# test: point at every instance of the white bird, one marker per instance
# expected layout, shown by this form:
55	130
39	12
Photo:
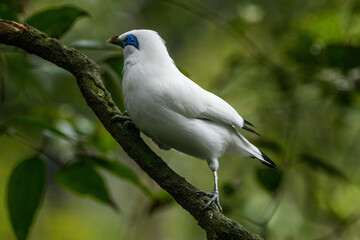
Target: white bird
176	112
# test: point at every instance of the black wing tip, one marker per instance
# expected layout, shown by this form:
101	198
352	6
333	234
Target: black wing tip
251	130
248	123
268	162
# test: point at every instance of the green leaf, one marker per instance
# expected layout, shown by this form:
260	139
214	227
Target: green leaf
319	164
25	190
112	83
325	25
308	52
56	21
9	9
119	170
300	51
270	179
113	86
342	56
81	177
116	63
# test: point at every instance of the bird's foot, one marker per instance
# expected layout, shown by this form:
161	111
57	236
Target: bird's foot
125	121
214	197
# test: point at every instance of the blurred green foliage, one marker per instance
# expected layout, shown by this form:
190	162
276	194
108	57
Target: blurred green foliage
290	67
118	169
81	177
25	189
269	178
55	21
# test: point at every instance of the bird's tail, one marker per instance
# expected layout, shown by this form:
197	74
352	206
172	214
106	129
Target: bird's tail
243	148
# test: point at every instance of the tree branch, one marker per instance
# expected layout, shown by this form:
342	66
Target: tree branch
87	74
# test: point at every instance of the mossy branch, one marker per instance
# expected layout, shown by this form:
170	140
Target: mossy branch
87	74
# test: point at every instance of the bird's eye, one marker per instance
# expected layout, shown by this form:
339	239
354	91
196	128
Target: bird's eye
123	39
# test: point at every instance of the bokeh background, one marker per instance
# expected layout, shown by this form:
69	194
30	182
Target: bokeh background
292	68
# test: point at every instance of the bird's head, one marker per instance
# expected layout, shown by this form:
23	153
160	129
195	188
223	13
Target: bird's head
141	43
125	40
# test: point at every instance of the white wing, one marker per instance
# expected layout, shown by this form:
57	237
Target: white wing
192	101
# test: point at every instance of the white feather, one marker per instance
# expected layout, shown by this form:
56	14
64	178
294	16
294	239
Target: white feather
173	110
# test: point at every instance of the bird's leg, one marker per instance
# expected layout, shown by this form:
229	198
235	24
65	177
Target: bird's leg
214	196
126	121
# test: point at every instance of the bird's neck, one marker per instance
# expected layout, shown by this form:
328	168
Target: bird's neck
153	57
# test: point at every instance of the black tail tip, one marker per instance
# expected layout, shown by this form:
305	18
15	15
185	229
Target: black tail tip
251	130
268	162
248	123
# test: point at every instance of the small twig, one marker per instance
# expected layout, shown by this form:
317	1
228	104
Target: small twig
27	142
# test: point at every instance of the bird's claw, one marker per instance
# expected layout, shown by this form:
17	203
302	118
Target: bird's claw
125	121
203	193
214	197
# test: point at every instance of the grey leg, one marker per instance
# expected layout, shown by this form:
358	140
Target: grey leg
214	196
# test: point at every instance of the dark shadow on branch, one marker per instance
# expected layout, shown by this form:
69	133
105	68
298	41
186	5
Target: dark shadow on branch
87	73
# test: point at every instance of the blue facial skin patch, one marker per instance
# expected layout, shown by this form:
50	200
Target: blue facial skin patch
129	40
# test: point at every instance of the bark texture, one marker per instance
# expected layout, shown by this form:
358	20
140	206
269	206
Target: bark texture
87	74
